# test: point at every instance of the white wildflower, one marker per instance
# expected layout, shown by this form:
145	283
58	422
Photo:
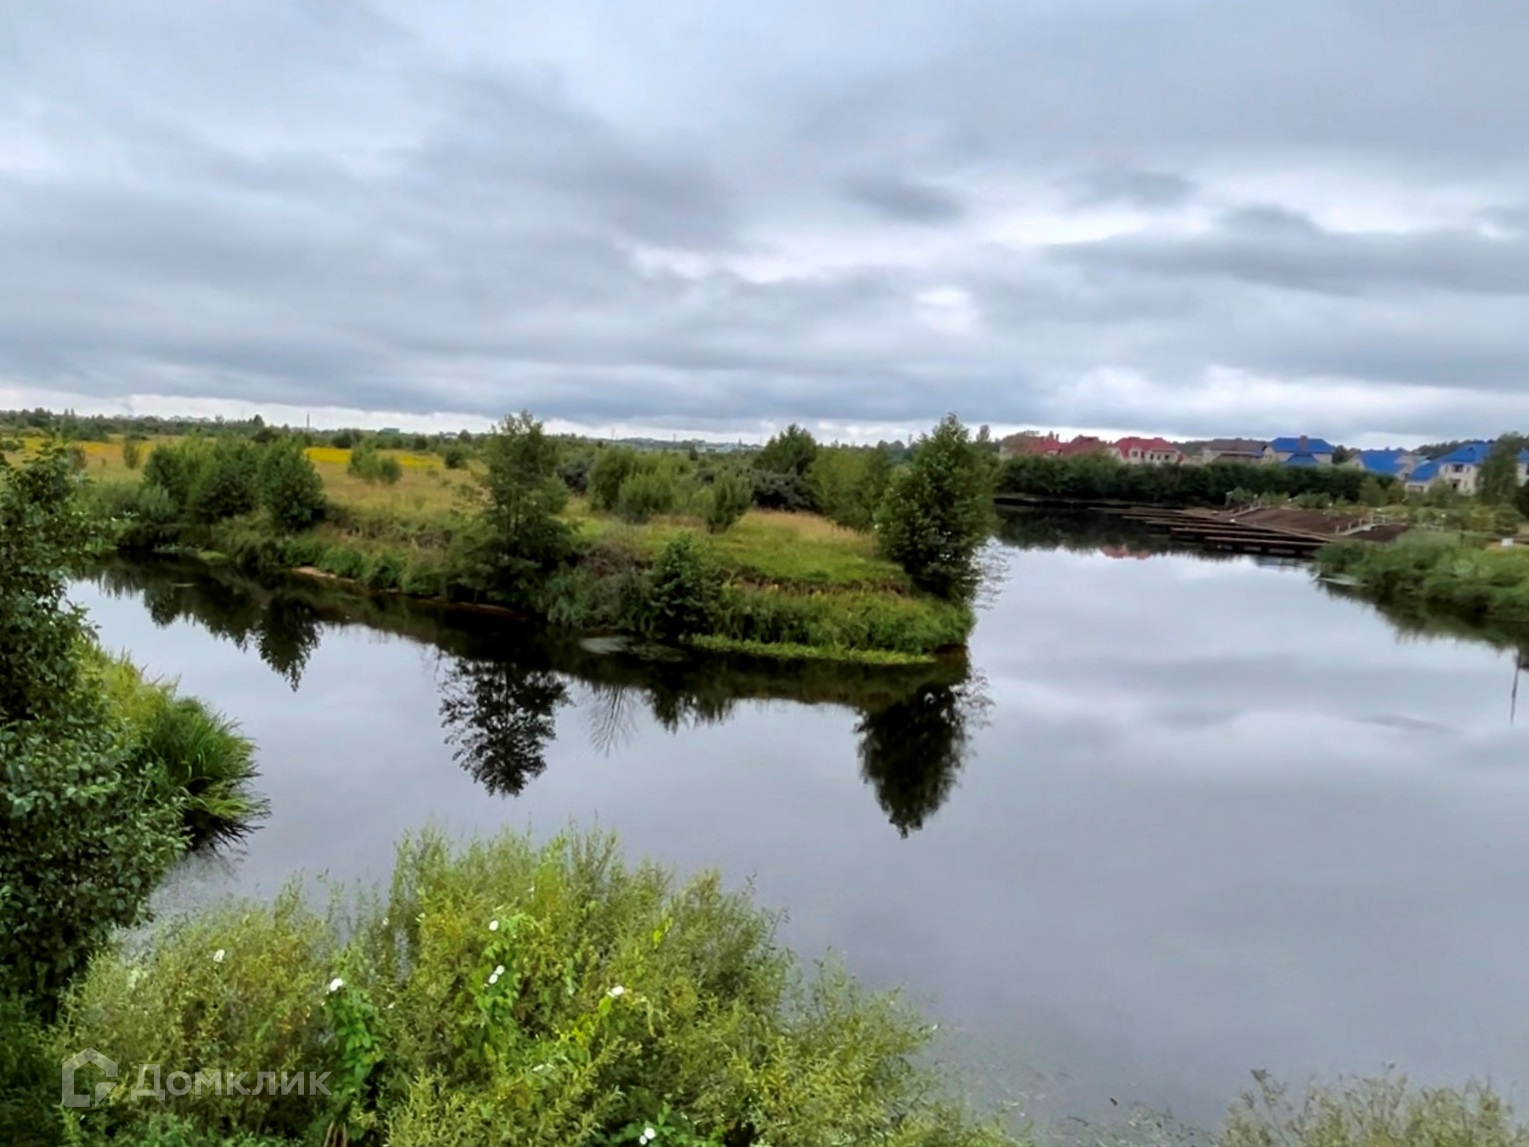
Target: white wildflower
336	984
499	971
217	957
647	1136
493	978
493	925
618	990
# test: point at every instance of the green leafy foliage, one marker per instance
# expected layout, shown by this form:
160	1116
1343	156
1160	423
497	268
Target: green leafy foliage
1497	484
684	590
520	540
938	512
132	452
455	457
291	491
848	483
82	839
226	481
612	467
510	994
1103	478
369	464
792	451
646	493
727	501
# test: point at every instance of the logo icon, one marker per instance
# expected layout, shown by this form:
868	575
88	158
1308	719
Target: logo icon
89	1056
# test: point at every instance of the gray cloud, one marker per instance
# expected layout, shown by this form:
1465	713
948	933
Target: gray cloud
901	199
863	214
1155	190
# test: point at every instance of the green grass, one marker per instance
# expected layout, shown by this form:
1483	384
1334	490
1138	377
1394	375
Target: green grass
1442	574
766	546
787	651
198	755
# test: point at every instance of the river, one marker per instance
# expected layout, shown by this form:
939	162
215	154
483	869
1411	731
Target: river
1184	818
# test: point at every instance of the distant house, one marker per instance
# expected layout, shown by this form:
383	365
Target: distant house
1083	444
1395	463
1233	450
1148	452
1031	443
1302	451
1461	468
1028	442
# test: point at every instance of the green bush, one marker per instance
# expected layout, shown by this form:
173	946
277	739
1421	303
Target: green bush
512	994
455	457
84	839
612	467
645	494
389	470
226	485
727	501
132	452
938	512
291	491
684	591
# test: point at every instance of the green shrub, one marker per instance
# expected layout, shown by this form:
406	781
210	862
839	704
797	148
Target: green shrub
684	591
132	452
612	466
84	839
455	457
938	512
513	994
291	491
646	493
389	471
238	988
226	485
727	502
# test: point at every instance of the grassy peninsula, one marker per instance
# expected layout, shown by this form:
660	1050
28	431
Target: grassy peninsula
796	551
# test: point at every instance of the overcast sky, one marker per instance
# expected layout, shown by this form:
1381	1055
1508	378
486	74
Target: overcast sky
1191	217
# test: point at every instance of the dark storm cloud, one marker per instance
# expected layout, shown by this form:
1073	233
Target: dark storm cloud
901	199
863	213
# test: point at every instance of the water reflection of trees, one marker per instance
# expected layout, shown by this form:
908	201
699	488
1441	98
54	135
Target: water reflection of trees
912	749
499	718
283	627
1092	531
502	686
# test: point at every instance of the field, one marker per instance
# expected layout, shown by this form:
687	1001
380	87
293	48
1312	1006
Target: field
764	548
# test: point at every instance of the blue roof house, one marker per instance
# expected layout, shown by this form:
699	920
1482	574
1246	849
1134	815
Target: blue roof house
1395	463
1302	451
1461	468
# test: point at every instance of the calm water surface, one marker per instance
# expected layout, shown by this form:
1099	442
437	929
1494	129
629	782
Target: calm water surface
1187	819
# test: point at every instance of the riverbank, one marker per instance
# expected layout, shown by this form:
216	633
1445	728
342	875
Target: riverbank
793	584
1438	574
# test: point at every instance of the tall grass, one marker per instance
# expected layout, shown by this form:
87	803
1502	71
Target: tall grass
1388	1111
198	756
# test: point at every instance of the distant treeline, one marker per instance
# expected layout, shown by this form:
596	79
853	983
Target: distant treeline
1100	478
